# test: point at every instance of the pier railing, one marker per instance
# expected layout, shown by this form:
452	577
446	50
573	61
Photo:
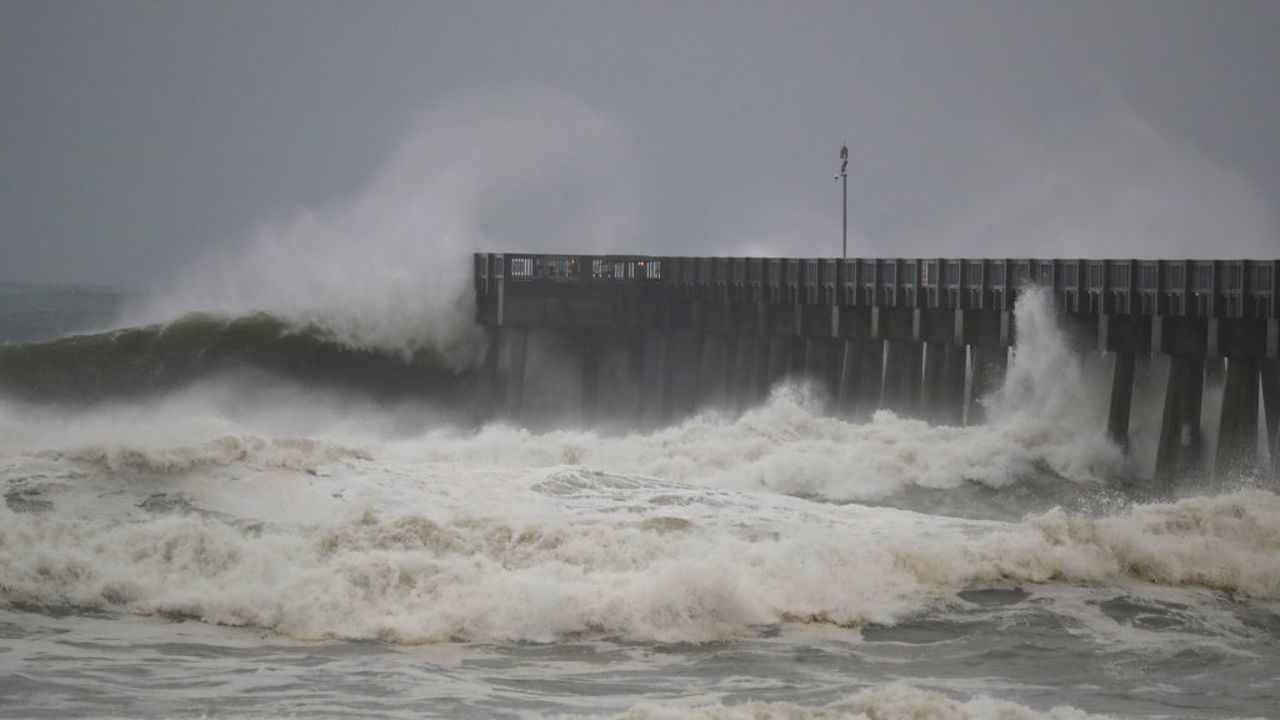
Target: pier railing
1192	288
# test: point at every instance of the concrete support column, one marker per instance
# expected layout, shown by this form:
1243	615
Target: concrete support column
833	352
665	376
638	386
933	388
490	374
726	388
779	358
705	369
1179	445
743	373
870	387
822	367
954	363
683	358
942	395
1270	370
1238	430
589	342
988	366
847	383
1214	371
902	379
796	350
697	392
761	382
812	368
1192	415
715	368
1121	398
753	367
518	339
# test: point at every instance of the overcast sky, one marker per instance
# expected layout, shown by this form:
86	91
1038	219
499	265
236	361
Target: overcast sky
137	136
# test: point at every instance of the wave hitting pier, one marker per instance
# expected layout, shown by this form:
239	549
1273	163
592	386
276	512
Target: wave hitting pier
657	337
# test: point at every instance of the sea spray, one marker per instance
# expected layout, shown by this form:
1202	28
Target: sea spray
389	268
1049	400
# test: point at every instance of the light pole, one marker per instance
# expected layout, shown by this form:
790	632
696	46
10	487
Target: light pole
843	177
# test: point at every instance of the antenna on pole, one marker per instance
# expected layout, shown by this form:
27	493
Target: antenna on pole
843	177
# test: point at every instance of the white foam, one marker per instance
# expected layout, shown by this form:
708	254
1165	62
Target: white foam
1041	422
336	544
890	702
1226	542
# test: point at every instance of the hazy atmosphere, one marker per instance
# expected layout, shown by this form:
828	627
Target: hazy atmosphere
337	378
137	138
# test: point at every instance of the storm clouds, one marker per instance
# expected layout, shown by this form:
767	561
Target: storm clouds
137	139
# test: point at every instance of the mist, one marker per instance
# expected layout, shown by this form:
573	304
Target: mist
390	266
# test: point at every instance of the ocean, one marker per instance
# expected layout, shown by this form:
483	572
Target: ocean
251	516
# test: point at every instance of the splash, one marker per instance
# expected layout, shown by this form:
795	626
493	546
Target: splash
390	267
1047	399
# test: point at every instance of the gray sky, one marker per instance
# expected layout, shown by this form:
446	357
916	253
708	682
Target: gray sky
137	136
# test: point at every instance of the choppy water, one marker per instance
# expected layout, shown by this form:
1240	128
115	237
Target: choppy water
246	546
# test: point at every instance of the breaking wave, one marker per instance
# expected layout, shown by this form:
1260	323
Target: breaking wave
135	362
431	553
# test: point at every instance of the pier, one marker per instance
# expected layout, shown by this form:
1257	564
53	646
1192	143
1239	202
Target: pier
658	337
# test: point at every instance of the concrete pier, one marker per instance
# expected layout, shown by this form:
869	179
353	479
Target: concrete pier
988	366
942	398
659	337
1121	398
518	339
1270	371
590	349
902	377
1237	453
1179	449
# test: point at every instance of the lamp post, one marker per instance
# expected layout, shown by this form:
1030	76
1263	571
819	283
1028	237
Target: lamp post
843	177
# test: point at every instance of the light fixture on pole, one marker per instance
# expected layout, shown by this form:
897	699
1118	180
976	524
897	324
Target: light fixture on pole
843	176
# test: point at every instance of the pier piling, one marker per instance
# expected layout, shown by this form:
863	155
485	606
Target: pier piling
1238	429
1121	398
1178	451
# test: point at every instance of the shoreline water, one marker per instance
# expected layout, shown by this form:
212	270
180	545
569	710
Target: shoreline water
246	546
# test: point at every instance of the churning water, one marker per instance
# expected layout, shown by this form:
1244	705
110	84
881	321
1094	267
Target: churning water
251	517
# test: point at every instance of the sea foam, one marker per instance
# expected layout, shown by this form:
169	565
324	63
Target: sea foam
546	555
890	702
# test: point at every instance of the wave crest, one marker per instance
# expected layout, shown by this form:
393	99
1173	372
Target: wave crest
249	452
137	361
654	570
